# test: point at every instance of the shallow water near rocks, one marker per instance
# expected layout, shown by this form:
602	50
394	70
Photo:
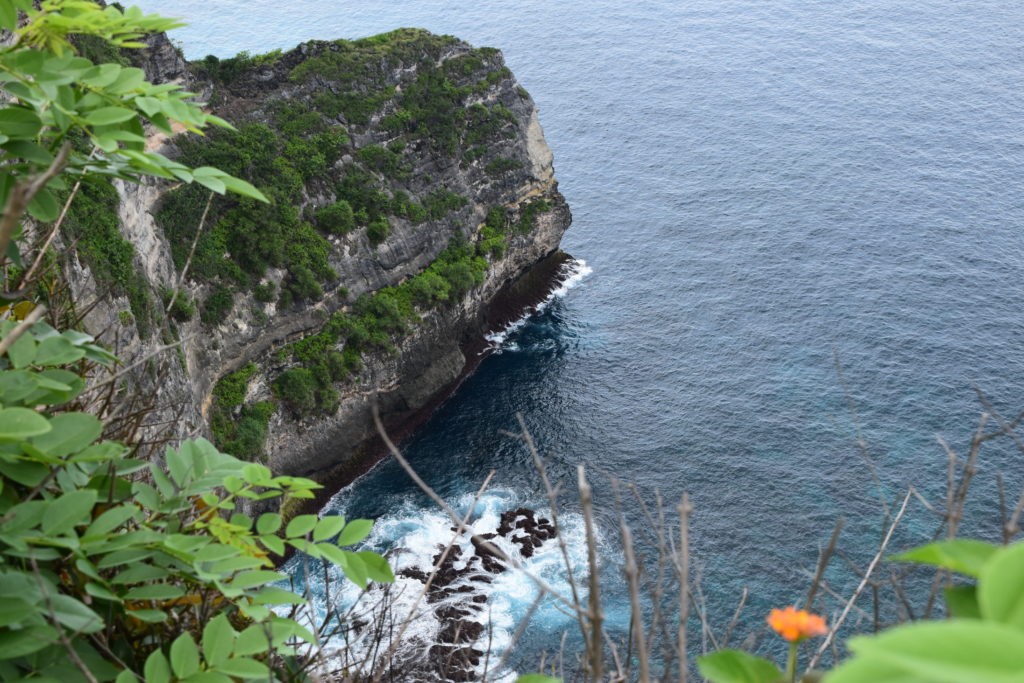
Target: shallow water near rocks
759	187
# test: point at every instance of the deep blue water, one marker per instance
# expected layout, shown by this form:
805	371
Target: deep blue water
758	185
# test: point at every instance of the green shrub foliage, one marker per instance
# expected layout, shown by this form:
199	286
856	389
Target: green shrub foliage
113	568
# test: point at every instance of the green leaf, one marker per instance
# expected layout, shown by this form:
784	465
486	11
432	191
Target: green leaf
251	641
15	644
8	16
75	616
151	616
21	423
71	432
105	116
277	596
65	513
218	640
733	666
14	610
268	523
29	151
953	650
328	527
57	351
234	564
962	555
25	473
105	451
56	386
1001	587
861	670
962	602
537	678
211	183
155	591
16	385
243	188
98	591
130	78
22	351
184	656
101	76
354	568
256	474
18	122
157	670
44	206
216	552
300	526
138	573
355	531
273	544
243	667
149	105
256	578
377	568
208	677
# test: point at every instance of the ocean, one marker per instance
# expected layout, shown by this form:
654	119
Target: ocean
764	191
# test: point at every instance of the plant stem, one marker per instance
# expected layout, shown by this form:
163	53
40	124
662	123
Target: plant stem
791	662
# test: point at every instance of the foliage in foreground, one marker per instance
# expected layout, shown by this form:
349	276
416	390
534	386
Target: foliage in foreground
983	640
111	567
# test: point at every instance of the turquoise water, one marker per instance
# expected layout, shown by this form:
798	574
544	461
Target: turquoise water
759	187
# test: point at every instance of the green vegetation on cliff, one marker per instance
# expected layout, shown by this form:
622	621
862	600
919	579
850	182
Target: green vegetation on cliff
120	561
292	150
323	187
92	223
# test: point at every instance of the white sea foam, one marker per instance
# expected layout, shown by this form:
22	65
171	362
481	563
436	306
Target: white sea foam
411	537
570	274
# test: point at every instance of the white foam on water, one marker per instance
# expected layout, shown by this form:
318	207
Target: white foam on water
571	273
411	537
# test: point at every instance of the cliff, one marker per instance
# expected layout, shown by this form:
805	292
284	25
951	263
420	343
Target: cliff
412	192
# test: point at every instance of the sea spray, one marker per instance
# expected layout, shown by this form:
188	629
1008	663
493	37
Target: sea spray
412	537
570	274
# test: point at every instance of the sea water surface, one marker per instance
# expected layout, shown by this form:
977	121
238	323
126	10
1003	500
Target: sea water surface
760	188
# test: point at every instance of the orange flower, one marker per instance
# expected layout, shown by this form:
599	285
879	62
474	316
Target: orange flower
795	625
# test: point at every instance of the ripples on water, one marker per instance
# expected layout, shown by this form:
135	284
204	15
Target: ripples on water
757	185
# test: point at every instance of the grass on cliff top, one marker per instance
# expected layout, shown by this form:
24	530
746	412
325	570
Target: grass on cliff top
292	150
354	62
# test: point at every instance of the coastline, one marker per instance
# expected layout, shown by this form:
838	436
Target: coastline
514	301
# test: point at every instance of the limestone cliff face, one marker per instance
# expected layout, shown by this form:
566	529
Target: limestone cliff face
492	158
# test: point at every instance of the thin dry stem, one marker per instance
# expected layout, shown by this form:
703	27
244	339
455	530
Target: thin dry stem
31	319
860	587
685	509
633	580
595	615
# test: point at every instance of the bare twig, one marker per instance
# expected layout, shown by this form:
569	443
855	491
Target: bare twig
735	617
823	563
22	194
595	616
685	509
633	580
860	587
125	370
191	253
390	652
490	547
65	641
31	319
